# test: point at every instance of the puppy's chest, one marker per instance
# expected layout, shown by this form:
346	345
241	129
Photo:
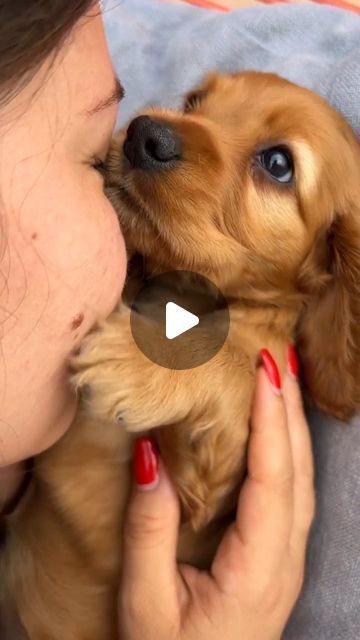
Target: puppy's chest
250	328
253	329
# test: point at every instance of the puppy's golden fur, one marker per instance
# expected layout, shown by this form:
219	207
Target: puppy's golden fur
287	258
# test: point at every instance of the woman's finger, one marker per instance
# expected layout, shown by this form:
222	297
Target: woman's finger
150	578
265	506
265	510
300	441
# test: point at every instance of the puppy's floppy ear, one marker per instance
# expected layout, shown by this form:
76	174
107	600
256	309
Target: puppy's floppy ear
329	332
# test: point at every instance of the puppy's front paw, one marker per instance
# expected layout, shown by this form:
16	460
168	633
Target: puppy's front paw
112	374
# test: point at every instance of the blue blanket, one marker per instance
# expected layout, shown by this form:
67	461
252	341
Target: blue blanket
160	51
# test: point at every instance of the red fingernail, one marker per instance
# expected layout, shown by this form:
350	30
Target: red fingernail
146	463
272	370
292	361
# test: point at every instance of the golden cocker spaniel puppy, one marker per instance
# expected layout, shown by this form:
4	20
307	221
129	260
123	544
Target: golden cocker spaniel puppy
255	185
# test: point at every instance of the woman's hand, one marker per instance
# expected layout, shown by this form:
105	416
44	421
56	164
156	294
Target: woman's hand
257	573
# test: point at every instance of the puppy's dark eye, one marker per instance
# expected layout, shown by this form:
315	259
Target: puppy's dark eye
278	163
193	101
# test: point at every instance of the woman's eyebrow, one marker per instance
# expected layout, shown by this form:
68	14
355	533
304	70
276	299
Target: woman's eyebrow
114	97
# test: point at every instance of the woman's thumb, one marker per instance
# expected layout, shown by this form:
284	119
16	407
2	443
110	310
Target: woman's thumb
151	527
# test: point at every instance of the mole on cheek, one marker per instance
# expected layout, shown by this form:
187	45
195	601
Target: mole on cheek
34	236
77	321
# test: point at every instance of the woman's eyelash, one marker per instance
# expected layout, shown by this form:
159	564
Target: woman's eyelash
98	164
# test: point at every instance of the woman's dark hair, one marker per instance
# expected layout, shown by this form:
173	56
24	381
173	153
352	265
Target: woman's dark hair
30	31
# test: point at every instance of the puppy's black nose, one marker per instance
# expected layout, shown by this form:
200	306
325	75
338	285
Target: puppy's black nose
151	145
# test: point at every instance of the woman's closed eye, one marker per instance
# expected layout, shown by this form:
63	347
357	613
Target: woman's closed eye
98	164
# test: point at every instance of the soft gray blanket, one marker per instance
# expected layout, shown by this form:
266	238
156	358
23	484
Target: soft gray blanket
160	51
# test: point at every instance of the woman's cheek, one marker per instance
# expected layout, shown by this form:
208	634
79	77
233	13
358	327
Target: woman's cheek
82	249
102	274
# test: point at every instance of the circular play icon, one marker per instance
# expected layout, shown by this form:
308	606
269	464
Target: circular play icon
179	319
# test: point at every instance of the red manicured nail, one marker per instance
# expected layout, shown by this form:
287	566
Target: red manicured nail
292	361
146	463
272	370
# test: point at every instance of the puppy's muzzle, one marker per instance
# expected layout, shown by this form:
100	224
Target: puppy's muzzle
151	145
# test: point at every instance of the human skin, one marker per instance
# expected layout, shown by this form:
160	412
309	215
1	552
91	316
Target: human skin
63	259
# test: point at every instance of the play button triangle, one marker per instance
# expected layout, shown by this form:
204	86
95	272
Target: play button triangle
178	320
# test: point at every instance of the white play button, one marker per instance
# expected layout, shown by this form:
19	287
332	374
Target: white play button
178	320
182	305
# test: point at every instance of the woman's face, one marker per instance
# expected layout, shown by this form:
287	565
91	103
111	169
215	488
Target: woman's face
62	263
